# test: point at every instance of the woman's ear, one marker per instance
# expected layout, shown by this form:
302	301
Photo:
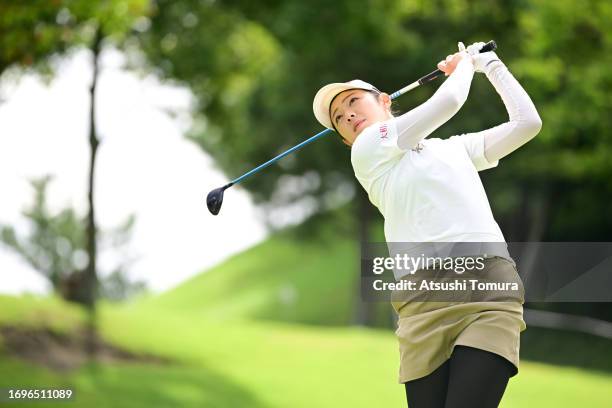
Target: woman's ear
385	99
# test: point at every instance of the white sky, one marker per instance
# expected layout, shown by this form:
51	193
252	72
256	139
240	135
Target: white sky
144	166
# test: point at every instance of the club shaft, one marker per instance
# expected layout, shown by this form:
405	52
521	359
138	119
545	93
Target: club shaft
280	156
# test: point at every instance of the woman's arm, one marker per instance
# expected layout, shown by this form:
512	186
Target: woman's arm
524	122
417	124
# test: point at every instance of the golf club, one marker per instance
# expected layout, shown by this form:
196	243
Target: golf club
214	200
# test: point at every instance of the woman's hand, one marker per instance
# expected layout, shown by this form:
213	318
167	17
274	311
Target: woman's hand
448	66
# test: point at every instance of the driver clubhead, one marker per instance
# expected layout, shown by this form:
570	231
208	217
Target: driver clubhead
214	200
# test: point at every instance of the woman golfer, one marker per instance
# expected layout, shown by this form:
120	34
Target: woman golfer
452	354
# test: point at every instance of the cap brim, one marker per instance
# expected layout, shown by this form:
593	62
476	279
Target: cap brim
324	98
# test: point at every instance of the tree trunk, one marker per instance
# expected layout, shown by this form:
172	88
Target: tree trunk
538	209
364	311
81	286
90	278
519	223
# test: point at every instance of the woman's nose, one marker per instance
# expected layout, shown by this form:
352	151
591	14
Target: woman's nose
351	116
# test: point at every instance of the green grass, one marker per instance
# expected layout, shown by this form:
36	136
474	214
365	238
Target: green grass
237	363
34	311
281	279
257	364
131	385
282	364
567	348
542	385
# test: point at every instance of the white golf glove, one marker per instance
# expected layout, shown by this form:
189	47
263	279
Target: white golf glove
461	47
481	60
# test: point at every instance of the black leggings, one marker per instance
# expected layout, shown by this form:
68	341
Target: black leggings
471	378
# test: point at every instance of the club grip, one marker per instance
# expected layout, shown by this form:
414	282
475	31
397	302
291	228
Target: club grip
490	46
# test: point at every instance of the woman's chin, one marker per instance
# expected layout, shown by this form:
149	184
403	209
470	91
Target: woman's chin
360	129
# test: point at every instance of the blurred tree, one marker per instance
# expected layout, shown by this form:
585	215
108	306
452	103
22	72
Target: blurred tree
56	248
117	287
566	183
255	67
32	35
564	61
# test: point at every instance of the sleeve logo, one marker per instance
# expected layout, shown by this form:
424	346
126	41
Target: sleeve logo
383	131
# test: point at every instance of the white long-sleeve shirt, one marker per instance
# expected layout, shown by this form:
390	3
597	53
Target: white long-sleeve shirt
523	124
428	189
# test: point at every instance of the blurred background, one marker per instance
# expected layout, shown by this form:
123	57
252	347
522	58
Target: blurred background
116	119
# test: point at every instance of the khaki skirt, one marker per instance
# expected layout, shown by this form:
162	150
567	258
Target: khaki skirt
428	331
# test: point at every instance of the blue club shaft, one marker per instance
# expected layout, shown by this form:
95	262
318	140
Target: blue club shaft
280	156
313	138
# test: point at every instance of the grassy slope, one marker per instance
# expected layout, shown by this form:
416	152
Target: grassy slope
280	279
256	364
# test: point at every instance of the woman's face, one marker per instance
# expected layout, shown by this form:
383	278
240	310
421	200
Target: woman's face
355	109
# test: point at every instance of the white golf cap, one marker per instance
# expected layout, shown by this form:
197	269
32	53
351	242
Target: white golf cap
325	96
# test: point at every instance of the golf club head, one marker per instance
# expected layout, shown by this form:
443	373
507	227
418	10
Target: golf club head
214	200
